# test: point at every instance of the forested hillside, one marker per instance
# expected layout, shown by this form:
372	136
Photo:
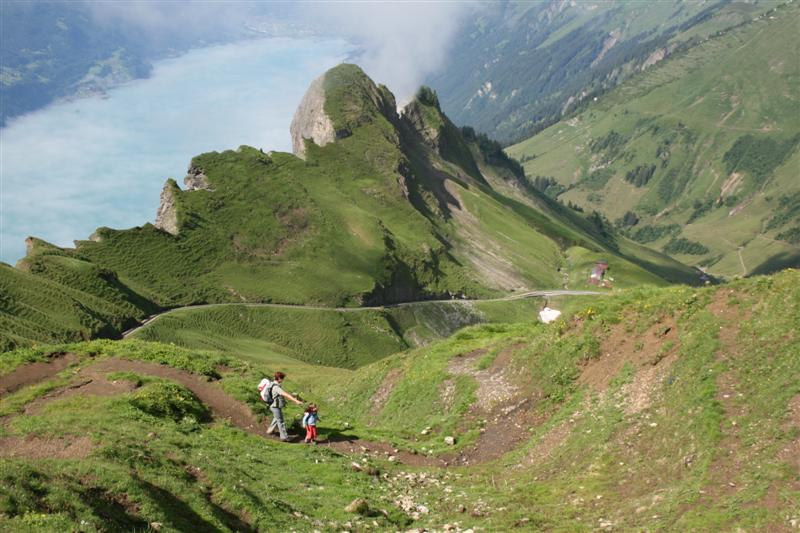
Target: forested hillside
698	157
519	66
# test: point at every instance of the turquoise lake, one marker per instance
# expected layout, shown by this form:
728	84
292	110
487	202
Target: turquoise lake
75	166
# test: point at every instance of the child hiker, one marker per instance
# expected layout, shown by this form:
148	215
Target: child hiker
310	423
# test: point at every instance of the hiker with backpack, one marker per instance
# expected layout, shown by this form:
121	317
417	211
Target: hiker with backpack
275	397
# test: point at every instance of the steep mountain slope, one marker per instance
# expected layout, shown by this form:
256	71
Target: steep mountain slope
699	156
521	65
375	207
659	409
68	300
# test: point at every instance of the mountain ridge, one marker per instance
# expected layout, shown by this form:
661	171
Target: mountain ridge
395	207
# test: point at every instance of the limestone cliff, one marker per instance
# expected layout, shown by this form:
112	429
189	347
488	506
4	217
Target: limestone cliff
336	104
167	215
310	121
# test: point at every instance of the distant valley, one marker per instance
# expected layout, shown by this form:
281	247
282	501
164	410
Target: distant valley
697	156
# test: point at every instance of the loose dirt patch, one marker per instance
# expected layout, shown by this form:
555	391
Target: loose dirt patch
33	447
729	187
383	450
383	392
35	372
447	394
494	385
730	316
648	377
549	442
505	430
731	458
656	347
509	411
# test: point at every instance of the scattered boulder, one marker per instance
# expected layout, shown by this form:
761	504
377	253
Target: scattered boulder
605	524
449	440
196	179
358	506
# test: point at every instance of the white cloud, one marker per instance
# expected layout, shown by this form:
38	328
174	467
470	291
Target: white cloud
173	19
402	42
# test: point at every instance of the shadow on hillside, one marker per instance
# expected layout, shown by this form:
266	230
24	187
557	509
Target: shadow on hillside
183	518
777	262
113	509
335	435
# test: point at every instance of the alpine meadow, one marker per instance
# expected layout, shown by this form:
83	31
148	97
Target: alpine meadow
555	289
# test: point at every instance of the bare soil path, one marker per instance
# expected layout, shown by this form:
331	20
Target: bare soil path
92	380
35	372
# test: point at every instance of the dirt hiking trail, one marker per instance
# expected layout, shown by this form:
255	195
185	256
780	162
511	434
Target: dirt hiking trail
92	380
35	372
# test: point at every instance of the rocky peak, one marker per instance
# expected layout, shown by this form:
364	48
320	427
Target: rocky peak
196	179
167	214
425	116
310	121
336	103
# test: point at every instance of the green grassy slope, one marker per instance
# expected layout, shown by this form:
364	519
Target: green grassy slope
671	408
398	208
517	67
345	339
89	302
703	148
684	393
156	459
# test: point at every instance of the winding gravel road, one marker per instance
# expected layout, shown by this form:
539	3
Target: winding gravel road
531	294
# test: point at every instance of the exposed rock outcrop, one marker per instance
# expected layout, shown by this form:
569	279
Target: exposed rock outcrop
654	58
352	100
424	115
310	121
167	214
196	179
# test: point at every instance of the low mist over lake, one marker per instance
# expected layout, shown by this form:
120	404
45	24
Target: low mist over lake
94	162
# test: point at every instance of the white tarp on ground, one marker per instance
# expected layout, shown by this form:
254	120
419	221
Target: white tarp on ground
547	315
